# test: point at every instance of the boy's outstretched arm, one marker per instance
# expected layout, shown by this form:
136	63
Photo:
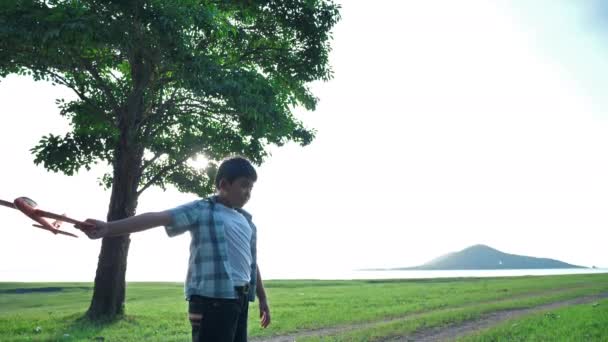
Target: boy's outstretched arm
128	225
264	308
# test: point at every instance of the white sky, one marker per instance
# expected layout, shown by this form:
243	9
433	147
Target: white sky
447	124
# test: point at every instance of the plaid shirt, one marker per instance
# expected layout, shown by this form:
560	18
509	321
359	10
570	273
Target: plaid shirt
208	268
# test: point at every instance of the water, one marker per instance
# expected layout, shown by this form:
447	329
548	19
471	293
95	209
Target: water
419	274
28	275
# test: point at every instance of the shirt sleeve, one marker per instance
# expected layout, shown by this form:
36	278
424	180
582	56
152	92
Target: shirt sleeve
183	218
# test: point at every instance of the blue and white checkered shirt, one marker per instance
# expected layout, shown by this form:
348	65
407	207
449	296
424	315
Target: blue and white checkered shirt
208	267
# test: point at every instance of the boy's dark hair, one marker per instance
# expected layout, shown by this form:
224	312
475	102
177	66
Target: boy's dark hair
233	168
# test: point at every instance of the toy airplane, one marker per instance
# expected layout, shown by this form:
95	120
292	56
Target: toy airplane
28	207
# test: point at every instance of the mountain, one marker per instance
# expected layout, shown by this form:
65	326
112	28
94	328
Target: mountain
481	257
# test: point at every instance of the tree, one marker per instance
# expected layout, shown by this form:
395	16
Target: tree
160	82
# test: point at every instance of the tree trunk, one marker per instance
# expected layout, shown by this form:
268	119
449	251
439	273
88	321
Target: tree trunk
109	291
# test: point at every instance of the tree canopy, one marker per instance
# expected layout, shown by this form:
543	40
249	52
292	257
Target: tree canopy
183	77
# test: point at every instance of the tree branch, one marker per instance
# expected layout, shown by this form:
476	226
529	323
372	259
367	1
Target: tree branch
150	161
160	174
101	83
147	121
70	85
78	92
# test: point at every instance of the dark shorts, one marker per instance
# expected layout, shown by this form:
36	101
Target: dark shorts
219	319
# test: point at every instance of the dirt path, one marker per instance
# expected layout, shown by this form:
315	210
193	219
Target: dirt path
440	333
489	320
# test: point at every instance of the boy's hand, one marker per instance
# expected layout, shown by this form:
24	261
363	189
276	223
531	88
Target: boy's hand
264	313
94	229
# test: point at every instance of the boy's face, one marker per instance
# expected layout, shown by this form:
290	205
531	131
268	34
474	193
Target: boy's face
237	193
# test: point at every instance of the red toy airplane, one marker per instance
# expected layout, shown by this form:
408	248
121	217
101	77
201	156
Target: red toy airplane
28	207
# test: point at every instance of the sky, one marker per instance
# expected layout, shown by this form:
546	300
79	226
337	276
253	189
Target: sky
447	124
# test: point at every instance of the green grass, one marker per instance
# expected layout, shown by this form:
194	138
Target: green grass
585	322
157	311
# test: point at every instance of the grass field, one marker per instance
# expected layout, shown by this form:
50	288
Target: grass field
157	311
588	322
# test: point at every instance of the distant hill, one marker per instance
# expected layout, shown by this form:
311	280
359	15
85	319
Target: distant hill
481	257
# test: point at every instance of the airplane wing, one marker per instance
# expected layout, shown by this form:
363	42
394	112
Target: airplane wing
57	231
65	233
59	217
7	204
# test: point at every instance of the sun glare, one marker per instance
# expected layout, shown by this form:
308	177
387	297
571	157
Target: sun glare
199	161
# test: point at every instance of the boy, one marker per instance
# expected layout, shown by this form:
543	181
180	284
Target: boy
222	271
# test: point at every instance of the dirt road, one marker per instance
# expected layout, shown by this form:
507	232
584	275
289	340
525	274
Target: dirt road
439	333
